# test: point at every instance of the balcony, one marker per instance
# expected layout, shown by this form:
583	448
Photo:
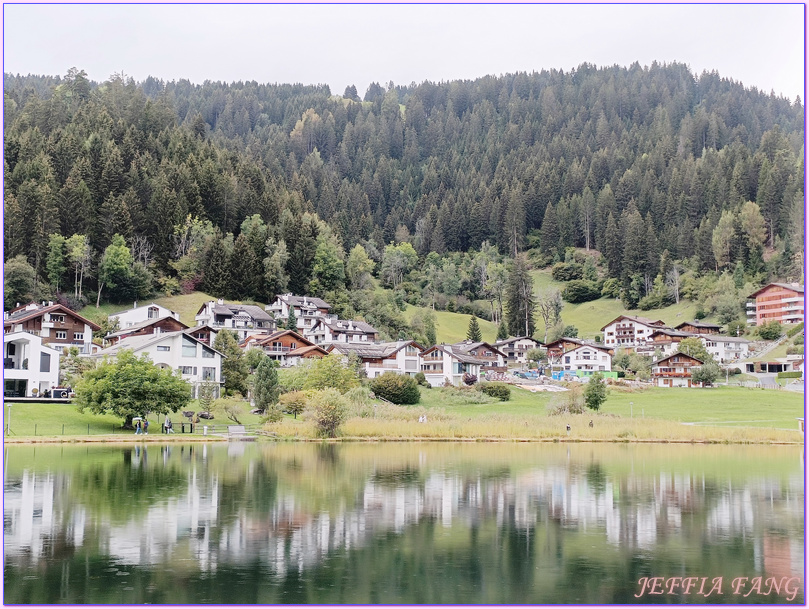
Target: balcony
386	366
667	374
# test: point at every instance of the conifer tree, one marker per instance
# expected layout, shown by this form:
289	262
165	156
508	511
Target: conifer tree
520	300
473	331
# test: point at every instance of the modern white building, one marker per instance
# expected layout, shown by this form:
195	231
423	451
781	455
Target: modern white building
630	331
28	365
307	310
140	314
327	330
196	362
443	363
588	359
725	349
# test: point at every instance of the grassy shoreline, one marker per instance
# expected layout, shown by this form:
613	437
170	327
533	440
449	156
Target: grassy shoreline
726	415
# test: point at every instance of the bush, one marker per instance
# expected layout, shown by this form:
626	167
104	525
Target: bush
469	379
795	350
327	409
421	379
567	271
580	290
293	402
396	388
793	331
611	288
770	330
501	391
796	374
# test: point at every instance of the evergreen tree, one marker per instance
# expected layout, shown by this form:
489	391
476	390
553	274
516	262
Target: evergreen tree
473	331
520	301
56	263
549	234
595	392
243	276
234	365
265	386
613	247
215	270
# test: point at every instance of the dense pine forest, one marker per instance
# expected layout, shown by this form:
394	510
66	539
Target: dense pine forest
118	190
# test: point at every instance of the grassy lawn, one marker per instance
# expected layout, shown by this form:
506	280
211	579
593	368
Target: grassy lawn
186	305
451	327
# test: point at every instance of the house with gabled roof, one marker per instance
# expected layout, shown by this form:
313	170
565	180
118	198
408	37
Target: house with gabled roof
556	349
698	327
675	371
401	357
494	358
140	314
587	359
284	346
57	326
443	364
195	361
329	330
630	330
150	326
307	310
516	348
240	318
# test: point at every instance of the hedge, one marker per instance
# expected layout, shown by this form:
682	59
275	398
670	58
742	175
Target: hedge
396	388
501	391
790	375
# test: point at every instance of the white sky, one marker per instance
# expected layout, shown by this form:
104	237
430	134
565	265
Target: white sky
760	45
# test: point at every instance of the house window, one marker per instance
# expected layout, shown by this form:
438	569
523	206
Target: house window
190	370
209	374
207	352
152	313
61	335
410	350
78	336
59	318
12	349
189	347
44	362
163	348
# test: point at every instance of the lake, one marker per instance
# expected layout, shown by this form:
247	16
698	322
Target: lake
406	523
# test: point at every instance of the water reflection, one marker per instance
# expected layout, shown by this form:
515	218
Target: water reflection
404	523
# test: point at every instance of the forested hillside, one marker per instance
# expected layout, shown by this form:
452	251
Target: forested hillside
248	189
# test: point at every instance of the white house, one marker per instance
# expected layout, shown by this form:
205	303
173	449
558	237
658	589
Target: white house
197	362
137	315
401	357
516	348
307	310
28	365
725	348
629	331
242	319
329	330
588	359
443	363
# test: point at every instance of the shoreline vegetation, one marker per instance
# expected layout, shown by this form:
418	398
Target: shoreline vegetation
722	415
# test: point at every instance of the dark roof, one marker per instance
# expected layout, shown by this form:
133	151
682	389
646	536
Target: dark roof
144	340
467	346
374	350
697	324
641	320
670	332
229	310
789	286
345	326
145	324
21	314
263	340
514	339
657	363
298	301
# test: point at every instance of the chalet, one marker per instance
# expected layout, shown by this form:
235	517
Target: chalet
29	366
307	310
239	318
285	346
401	357
559	347
698	327
327	330
138	315
515	349
151	326
781	302
205	334
664	339
725	349
675	371
58	326
629	330
494	358
587	359
442	364
197	363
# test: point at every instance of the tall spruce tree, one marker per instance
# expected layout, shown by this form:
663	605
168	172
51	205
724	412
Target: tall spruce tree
520	300
473	331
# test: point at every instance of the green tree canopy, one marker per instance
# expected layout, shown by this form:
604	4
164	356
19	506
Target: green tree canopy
130	386
473	331
234	366
265	386
595	392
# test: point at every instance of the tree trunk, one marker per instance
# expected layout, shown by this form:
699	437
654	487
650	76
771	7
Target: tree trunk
98	299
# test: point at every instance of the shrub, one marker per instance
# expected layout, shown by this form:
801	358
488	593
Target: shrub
611	288
798	340
770	330
396	388
580	290
293	402
469	379
327	409
793	331
501	391
796	374
567	271
421	379
795	350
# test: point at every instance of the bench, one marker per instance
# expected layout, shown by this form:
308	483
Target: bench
236	431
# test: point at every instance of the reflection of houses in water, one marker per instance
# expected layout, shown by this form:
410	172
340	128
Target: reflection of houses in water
634	512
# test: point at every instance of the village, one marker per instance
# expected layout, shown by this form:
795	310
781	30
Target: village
37	334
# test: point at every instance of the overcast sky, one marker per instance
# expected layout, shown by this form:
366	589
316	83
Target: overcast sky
759	45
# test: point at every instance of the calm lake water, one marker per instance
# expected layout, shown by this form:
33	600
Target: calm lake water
403	523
